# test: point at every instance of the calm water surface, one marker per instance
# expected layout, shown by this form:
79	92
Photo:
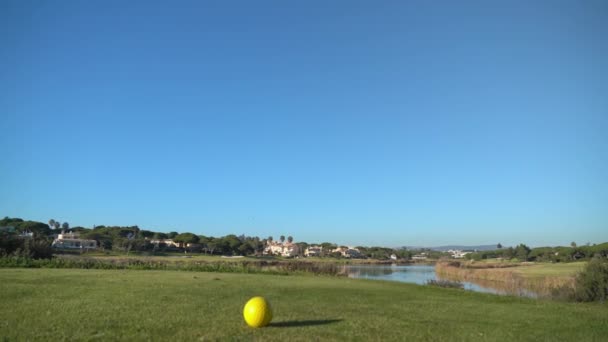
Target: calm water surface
416	274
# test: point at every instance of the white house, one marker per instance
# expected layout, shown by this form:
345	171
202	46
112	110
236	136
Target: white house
167	242
313	251
286	249
291	250
72	241
421	256
348	252
457	254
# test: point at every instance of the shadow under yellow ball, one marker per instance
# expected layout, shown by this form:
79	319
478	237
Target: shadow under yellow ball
257	312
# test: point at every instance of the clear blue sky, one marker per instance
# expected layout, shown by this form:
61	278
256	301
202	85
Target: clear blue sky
357	122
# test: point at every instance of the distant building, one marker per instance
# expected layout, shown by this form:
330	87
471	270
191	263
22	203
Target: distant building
27	234
421	256
291	250
352	253
313	251
273	248
393	257
73	241
457	254
286	249
166	242
348	252
340	250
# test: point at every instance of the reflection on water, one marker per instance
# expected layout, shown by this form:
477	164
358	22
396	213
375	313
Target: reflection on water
407	274
421	274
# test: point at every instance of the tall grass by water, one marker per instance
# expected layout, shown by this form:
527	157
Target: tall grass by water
278	267
512	278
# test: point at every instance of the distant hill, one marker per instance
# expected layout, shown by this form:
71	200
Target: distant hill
460	247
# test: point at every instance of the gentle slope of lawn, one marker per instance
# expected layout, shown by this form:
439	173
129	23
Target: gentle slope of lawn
59	304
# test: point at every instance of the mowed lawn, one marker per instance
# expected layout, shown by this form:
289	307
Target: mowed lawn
71	304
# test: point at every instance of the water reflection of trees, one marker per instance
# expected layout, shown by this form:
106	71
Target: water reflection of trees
364	271
355	271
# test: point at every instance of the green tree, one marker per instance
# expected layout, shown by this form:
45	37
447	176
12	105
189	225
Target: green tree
212	245
499	246
522	251
592	282
39	229
245	249
259	245
106	244
146	234
7	221
232	243
508	253
282	238
327	247
301	247
160	236
290	239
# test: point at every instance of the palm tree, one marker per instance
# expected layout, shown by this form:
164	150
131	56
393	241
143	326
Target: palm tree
282	238
290	239
56	224
52	223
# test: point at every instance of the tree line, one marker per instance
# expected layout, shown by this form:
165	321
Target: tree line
522	252
133	238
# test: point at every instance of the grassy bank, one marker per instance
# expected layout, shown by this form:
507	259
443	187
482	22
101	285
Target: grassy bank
216	258
541	278
60	304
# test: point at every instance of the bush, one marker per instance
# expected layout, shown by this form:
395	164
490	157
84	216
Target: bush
35	248
39	248
592	282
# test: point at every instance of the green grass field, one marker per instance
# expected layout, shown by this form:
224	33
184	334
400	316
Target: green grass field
69	304
551	270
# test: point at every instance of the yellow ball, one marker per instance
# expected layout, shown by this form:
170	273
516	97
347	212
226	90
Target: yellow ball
257	312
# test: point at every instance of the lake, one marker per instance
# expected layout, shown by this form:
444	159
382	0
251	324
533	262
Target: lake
421	274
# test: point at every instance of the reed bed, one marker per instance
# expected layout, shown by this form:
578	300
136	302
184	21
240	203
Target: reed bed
504	278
